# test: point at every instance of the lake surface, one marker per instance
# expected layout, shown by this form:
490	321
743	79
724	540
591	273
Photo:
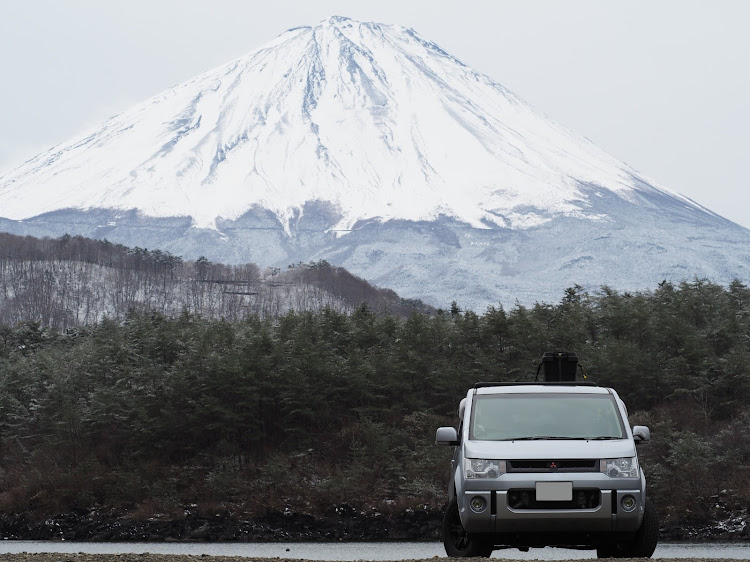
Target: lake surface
354	550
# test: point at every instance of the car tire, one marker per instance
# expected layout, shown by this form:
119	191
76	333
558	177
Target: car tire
457	541
647	536
644	543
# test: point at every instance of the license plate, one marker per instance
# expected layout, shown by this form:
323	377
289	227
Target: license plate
554	491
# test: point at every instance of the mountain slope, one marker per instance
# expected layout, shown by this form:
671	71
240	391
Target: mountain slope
334	142
371	117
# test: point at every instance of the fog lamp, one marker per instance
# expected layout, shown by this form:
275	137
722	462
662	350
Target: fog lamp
628	503
477	504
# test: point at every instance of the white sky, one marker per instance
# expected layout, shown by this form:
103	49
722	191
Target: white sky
663	85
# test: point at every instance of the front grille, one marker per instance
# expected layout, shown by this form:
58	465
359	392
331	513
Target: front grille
582	499
575	465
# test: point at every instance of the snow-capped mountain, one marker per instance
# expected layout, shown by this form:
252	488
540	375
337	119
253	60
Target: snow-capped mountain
369	146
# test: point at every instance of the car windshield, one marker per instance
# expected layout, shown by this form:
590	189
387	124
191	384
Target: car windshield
508	417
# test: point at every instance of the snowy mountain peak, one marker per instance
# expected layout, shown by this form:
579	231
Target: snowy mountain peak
370	119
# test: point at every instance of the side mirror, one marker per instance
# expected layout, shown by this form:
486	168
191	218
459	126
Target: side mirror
641	434
446	436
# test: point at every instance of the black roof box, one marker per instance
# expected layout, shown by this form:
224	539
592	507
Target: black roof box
559	366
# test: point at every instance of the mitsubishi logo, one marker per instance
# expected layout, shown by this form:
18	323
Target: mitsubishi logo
552	466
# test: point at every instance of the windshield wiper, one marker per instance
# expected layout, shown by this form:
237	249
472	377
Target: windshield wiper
602	437
544	438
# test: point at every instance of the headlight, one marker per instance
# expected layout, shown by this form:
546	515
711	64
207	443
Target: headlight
482	468
626	467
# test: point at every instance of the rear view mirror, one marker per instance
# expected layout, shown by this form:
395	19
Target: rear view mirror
446	436
641	434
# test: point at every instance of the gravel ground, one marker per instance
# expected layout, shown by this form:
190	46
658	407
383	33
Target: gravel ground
45	557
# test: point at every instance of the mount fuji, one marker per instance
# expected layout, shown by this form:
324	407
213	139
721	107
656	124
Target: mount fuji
369	146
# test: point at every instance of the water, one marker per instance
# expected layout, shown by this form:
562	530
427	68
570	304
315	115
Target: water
355	550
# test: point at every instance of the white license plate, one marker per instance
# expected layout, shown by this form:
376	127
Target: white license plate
554	491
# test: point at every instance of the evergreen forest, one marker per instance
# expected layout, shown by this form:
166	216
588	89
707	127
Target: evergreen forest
152	414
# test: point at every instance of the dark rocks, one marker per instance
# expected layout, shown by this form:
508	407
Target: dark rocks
339	522
342	522
727	520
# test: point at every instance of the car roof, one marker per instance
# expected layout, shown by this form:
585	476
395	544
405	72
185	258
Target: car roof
541	388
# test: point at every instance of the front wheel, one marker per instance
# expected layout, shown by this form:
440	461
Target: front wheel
459	543
644	542
647	536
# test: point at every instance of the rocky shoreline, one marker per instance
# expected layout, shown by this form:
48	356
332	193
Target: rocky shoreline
342	522
147	557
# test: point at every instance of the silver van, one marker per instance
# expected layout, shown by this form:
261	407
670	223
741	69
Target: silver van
546	464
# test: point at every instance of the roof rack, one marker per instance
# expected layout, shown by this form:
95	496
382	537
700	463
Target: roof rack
535	383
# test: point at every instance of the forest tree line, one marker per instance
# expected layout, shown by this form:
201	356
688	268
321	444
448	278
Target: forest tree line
150	413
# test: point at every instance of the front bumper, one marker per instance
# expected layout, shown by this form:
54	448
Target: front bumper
498	515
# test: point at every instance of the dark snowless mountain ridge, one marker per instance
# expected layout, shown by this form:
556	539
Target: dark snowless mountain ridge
370	147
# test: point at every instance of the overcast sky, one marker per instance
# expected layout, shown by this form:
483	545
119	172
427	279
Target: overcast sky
661	85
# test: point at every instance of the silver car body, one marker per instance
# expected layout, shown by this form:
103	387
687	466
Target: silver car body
504	509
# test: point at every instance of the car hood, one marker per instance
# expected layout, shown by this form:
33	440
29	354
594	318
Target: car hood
549	449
